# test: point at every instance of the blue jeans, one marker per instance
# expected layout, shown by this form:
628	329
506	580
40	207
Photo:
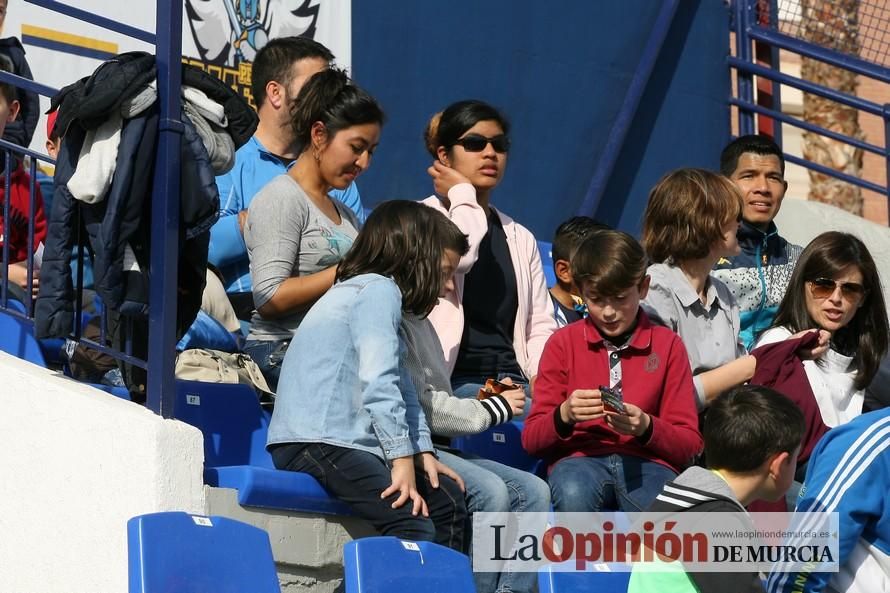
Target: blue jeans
494	487
466	387
357	478
268	355
607	483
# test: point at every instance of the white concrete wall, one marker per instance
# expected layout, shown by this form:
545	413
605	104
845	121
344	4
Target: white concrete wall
800	221
77	463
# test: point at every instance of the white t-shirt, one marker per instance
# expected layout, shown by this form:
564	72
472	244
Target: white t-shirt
831	378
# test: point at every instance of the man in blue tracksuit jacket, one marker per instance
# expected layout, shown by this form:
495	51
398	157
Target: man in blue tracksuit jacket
759	275
849	474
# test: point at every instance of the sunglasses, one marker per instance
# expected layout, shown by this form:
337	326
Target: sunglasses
822	288
477	143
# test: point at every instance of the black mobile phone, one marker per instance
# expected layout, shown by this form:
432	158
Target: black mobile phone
613	399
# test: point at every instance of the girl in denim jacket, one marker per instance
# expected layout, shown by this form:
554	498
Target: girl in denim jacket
347	411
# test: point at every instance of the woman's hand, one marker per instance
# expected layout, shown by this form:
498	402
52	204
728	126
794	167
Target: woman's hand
515	397
634	421
403	482
817	350
444	178
432	467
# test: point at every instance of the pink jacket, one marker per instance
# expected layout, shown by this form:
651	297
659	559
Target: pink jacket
534	317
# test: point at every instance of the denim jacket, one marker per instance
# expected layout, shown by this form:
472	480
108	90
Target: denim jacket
342	381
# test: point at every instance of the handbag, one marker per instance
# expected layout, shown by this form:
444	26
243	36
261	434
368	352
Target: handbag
215	366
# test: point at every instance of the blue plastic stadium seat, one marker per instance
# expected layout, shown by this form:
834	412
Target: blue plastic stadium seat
503	444
182	553
235	428
546	250
51	348
17	338
605	578
389	564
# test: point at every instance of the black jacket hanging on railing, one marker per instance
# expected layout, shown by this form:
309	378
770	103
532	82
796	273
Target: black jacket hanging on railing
118	226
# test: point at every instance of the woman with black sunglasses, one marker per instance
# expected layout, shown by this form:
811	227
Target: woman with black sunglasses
835	287
495	320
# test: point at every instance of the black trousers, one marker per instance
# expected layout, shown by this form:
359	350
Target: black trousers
358	478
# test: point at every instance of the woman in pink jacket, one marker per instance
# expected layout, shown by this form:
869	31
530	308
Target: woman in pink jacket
494	324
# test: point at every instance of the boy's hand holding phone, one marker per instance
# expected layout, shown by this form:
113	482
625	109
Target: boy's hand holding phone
582	405
633	421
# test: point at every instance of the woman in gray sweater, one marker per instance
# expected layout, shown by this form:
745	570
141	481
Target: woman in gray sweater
490	486
295	232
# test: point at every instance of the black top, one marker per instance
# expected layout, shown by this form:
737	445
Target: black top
490	303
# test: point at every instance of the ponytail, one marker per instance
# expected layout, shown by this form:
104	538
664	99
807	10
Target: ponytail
431	135
331	98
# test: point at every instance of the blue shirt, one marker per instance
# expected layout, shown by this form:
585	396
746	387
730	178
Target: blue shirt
343	381
254	168
848	474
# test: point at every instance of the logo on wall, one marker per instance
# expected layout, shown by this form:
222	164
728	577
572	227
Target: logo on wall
229	33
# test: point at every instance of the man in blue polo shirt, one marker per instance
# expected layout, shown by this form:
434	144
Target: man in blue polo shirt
279	72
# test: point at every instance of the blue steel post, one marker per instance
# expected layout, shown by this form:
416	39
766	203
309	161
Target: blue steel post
887	152
744	80
774	62
165	211
628	110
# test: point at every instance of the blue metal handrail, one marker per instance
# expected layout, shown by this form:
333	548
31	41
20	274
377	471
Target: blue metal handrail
810	50
165	199
804	125
27	84
807	86
101	21
747	31
835	173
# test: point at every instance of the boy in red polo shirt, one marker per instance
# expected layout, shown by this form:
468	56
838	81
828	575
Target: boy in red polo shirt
15	230
606	454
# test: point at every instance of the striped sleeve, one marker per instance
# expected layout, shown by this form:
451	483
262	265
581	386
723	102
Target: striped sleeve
847	474
451	416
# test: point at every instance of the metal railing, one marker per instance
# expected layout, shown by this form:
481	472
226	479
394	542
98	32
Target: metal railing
165	200
788	25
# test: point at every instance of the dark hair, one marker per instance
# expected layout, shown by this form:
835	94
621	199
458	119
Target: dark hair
7	89
331	98
611	261
275	61
406	241
570	234
753	143
446	127
749	424
686	213
865	338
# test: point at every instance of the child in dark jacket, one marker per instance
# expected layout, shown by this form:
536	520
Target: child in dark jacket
752	439
15	230
21	130
604	457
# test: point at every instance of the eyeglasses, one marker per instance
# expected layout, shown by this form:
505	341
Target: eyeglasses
477	143
822	288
